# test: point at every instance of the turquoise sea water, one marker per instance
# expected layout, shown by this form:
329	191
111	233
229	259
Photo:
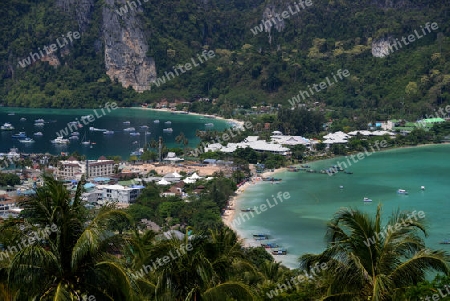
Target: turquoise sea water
299	223
120	143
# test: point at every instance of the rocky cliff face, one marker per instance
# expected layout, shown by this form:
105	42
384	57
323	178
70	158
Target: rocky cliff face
80	9
126	47
380	47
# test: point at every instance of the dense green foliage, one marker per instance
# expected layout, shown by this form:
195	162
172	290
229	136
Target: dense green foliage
248	69
9	179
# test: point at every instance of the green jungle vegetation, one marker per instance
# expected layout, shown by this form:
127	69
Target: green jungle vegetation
248	69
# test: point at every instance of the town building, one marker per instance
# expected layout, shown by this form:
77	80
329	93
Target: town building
74	169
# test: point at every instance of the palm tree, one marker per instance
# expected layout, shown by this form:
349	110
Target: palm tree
366	262
75	261
208	272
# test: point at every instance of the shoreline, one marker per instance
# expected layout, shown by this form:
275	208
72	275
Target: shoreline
233	121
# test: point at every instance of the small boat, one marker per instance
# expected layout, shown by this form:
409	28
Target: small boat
26	140
293	169
168	130
23	119
94	143
38	134
60	140
39	121
445	242
126	122
96	129
402	191
135	142
248	210
422	187
87	117
168	122
75	134
39	124
147	133
144	127
108	133
135	134
341	187
73	122
156	121
366	200
11	114
83	141
305	166
270	245
271	179
74	138
260	236
19	135
7	127
279	252
348	172
131	129
209	124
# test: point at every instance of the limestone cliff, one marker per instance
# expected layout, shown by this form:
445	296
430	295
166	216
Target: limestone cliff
380	47
80	9
125	47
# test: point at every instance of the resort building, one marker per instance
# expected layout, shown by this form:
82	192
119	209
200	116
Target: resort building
120	194
253	143
74	169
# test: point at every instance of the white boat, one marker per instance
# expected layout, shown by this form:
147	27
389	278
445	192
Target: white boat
156	121
7	127
23	119
168	122
147	133
422	187
26	140
73	138
168	130
367	200
60	140
75	134
135	134
38	134
144	126
96	129
83	141
131	129
402	191
108	133
39	124
11	114
87	117
209	124
39	121
126	122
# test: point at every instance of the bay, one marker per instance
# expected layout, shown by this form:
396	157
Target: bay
118	144
299	223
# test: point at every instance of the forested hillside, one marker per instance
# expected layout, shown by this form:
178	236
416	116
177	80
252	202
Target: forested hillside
248	68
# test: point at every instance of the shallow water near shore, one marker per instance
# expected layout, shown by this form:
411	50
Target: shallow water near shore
299	223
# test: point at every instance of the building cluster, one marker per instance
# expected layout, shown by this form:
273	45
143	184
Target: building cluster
276	144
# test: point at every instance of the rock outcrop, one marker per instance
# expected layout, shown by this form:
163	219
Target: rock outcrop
81	9
125	47
380	47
